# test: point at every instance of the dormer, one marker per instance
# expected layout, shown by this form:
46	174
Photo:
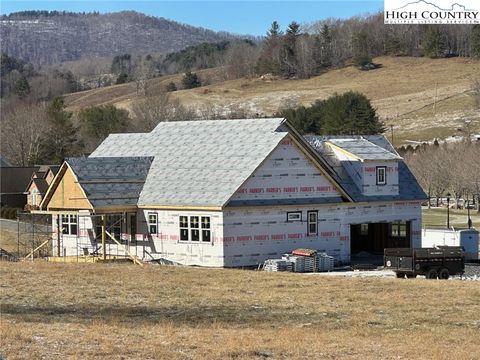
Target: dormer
373	168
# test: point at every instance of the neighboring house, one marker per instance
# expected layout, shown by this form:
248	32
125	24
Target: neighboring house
13	182
38	185
231	193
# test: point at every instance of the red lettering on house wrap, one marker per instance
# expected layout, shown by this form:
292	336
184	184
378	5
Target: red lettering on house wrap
274	190
290	189
244	238
307	189
323	188
344	238
369	169
286	142
295	236
327	233
261	237
243	191
256	190
278	237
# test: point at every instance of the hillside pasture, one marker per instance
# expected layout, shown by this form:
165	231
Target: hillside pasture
404	91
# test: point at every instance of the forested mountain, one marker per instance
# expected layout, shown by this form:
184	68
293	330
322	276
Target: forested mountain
42	37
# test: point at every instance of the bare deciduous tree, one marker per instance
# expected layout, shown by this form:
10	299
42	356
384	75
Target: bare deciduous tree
149	111
22	131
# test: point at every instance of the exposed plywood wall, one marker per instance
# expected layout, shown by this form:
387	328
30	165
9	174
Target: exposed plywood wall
68	194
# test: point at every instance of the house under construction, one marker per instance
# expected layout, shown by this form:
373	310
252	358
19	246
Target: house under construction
230	193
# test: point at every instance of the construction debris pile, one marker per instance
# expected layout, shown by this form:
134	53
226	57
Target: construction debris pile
301	261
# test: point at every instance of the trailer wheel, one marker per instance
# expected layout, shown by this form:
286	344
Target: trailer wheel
411	276
431	274
400	275
444	274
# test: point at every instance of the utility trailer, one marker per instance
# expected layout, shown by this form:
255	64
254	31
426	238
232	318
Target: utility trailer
440	262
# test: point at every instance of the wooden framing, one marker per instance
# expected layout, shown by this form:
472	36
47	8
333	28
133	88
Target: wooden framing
65	192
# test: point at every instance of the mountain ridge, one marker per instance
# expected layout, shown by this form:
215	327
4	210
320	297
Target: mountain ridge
42	37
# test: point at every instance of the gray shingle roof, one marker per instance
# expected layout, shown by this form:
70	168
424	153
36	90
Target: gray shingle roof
364	149
409	189
111	181
197	163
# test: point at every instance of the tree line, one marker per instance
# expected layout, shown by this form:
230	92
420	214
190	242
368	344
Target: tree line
35	132
448	169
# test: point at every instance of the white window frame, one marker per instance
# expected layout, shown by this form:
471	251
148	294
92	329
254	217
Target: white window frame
69	223
154	223
206	228
34	196
311	222
378	172
294	216
202	226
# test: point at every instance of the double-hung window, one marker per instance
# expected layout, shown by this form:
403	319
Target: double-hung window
206	229
195	228
381	175
312	223
69	224
153	223
184	228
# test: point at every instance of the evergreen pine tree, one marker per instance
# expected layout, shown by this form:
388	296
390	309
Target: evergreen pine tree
190	80
288	65
433	42
22	87
360	48
61	139
269	60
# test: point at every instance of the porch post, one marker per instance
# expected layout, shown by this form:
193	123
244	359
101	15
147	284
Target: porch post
104	224
58	235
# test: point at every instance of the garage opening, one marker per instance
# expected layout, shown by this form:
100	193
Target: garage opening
368	240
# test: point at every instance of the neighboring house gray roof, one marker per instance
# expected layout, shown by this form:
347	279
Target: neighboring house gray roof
197	163
364	149
14	179
111	181
409	189
41	185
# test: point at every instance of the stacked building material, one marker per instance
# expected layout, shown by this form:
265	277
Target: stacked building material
324	262
304	252
277	265
301	261
298	262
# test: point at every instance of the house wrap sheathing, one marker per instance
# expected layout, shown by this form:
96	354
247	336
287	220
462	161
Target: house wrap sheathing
230	193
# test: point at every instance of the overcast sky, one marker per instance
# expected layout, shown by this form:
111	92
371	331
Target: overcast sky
241	17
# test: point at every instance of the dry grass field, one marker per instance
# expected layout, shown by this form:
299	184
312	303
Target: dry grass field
458	218
403	91
74	311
